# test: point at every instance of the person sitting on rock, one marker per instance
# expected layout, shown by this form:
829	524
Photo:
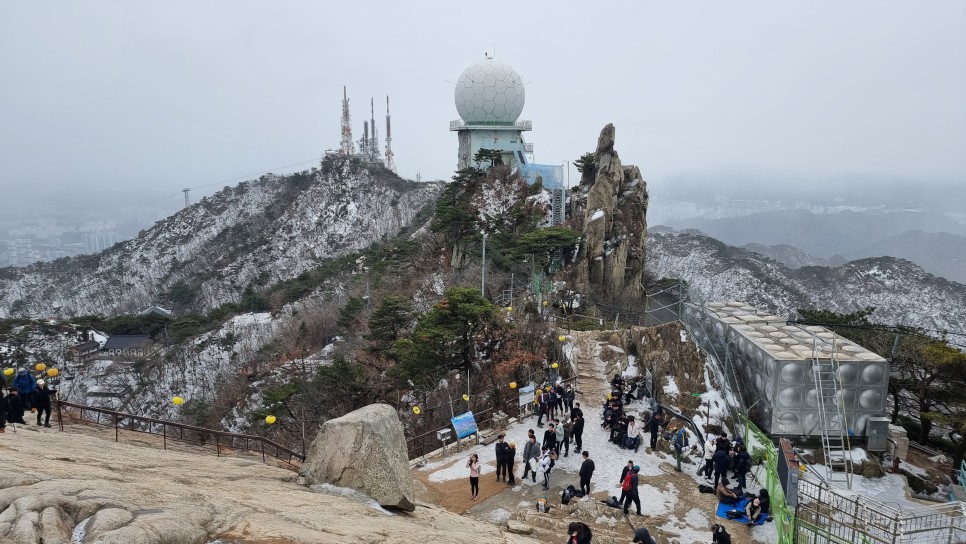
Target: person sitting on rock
753	510
42	401
725	495
633	435
14	406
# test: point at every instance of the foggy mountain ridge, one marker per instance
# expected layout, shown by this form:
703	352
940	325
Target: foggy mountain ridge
900	290
822	235
255	233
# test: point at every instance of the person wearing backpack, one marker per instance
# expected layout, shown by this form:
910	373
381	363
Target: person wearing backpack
629	486
620	483
680	443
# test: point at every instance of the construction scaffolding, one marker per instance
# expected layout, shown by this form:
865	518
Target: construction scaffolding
833	515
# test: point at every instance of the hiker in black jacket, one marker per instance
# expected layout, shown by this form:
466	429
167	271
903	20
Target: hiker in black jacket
632	494
42	401
578	431
627	468
720	460
586	471
14	406
719	535
742	466
501	461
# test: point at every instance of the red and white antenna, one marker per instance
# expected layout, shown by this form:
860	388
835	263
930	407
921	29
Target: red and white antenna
347	147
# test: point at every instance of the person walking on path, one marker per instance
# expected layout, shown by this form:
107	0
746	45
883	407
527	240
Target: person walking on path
511	453
620	483
549	436
720	459
474	465
630	483
642	536
680	443
25	384
501	452
42	401
578	431
586	472
530	451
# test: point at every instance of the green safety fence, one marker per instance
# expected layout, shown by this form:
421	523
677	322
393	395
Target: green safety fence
784	518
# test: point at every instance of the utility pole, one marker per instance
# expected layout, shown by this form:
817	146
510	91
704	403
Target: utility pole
483	273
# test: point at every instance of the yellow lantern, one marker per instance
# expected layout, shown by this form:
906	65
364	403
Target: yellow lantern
513	385
52	372
416	410
270	420
509	308
548	388
8	371
546	303
466	397
41	367
562	338
177	401
555	365
609	396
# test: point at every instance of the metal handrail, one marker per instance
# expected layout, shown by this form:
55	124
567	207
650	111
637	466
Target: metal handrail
222	439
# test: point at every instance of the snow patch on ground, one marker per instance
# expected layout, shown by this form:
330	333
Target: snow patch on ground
671	388
686	530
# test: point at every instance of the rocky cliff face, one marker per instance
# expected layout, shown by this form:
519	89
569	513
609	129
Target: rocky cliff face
613	207
247	236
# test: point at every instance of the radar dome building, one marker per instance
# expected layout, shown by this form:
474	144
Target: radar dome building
489	98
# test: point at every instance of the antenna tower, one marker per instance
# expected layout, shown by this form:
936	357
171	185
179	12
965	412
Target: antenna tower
390	164
185	191
373	151
347	147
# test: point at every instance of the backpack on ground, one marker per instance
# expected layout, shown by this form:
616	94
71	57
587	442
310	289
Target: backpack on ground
566	496
735	514
543	505
705	488
613	502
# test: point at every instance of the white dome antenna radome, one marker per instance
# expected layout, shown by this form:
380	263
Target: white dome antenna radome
489	93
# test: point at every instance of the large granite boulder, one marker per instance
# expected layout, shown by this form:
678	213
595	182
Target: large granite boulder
364	450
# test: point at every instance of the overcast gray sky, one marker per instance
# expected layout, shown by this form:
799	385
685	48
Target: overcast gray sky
150	97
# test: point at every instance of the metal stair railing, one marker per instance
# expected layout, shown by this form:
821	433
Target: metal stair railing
169	430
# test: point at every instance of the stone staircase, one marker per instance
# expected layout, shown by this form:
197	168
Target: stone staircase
593	382
609	525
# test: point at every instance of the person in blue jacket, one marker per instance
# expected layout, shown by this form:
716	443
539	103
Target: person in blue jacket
25	384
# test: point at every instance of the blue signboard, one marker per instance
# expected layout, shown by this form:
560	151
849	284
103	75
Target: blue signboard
526	394
464	424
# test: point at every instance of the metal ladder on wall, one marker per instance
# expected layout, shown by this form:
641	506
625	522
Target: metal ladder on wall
831	415
556	207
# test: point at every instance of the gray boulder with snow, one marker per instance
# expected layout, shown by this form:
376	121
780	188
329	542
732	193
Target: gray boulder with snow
364	450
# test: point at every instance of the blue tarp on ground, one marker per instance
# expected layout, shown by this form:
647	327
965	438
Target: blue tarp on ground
723	511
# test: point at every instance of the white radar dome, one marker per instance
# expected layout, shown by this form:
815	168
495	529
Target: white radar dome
489	92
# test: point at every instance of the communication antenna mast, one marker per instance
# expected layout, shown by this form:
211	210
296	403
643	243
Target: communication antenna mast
390	164
373	151
185	191
347	147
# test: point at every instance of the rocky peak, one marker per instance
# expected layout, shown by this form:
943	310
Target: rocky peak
614	208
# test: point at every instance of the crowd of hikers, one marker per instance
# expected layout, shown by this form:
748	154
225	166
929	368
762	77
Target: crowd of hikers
25	394
563	435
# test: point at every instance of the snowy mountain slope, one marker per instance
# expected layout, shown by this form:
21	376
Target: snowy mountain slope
253	234
898	289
